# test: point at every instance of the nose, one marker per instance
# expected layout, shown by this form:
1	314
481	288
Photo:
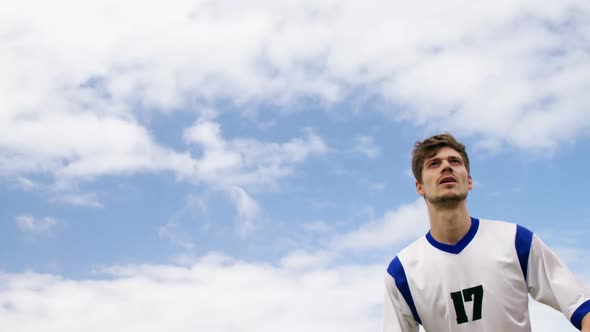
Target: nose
446	166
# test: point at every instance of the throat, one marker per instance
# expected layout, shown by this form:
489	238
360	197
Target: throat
450	228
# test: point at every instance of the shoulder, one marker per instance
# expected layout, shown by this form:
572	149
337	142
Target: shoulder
496	225
498	229
406	256
518	237
504	227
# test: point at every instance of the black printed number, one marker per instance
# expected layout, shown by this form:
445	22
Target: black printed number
474	294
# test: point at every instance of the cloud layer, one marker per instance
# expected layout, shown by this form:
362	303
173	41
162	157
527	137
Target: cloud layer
406	223
79	77
77	73
214	293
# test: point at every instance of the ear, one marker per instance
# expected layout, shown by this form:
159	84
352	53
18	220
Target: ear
469	183
419	188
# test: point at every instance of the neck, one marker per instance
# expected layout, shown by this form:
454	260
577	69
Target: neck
449	224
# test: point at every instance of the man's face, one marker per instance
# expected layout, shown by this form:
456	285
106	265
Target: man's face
445	180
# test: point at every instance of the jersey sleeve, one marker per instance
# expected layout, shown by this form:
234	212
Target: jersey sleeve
397	316
550	282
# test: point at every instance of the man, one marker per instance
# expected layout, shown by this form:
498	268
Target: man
469	274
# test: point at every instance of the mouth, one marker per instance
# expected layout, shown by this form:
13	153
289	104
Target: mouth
447	180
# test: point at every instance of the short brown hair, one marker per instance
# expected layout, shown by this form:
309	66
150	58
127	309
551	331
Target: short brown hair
430	146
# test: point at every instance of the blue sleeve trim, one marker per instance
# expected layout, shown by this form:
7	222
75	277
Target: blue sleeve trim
579	314
459	246
523	241
396	270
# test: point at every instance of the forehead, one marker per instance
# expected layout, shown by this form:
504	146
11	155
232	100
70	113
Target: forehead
444	153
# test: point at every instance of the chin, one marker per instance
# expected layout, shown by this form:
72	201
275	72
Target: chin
448	199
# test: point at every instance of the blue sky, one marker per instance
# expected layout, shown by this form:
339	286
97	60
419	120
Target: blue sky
245	166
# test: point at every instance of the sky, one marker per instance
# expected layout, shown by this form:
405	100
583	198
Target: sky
245	165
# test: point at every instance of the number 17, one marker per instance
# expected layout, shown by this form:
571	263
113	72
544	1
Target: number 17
468	295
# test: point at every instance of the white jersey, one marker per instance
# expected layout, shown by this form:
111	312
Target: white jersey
479	284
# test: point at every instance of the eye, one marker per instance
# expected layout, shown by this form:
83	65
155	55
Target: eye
455	161
433	163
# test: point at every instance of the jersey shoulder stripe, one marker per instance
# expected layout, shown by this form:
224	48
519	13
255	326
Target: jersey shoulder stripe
523	242
396	271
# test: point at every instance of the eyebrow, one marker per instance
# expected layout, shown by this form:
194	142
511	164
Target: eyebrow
439	158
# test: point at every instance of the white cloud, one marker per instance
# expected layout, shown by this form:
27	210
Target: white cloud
63	191
301	259
214	293
512	72
247	161
86	145
206	133
82	144
25	183
80	96
194	211
172	231
247	210
234	165
366	145
80	199
27	223
211	295
405	223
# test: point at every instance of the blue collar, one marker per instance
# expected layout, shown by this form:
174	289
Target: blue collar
459	246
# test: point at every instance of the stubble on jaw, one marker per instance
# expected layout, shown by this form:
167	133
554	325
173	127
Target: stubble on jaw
446	202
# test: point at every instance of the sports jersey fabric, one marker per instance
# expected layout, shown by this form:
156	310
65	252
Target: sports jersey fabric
481	283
